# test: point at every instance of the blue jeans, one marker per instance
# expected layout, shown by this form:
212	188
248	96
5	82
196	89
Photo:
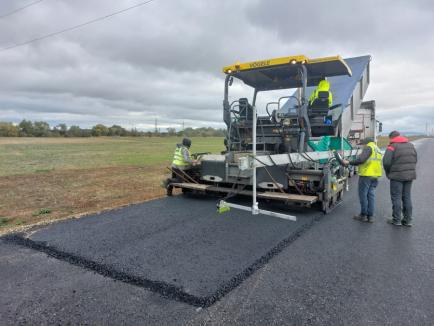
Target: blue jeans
367	187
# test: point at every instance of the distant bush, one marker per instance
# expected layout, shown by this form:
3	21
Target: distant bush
204	132
8	130
100	130
27	128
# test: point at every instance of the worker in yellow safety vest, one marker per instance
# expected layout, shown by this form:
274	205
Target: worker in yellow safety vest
182	165
323	86
182	158
370	170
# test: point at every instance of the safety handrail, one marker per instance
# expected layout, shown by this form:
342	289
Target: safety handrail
288	97
266	107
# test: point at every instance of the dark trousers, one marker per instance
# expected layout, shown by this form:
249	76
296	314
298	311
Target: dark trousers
367	187
400	192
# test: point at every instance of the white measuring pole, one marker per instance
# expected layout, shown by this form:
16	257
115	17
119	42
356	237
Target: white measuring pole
255	208
347	185
342	134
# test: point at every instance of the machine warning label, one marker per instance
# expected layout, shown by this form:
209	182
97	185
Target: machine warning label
258	64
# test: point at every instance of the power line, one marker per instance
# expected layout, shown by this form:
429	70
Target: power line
10	13
40	38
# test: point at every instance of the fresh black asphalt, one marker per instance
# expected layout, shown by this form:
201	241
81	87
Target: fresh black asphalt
179	247
339	272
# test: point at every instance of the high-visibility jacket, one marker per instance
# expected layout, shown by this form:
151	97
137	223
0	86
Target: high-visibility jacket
323	86
178	156
372	166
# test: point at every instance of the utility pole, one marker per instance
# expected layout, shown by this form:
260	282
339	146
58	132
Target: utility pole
156	126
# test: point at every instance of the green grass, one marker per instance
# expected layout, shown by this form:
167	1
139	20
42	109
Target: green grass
46	155
42	211
32	155
383	141
3	221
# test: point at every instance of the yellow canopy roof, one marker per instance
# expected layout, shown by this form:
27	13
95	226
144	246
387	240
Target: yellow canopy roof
281	73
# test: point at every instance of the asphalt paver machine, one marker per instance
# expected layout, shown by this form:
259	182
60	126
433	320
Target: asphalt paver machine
292	153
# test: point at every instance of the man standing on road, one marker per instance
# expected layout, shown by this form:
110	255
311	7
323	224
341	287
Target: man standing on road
400	165
369	163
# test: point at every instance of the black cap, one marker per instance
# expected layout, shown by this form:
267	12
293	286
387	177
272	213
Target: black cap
186	142
394	134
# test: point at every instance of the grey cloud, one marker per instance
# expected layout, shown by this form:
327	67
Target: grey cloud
369	25
164	60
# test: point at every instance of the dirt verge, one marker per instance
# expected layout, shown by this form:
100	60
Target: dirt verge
46	197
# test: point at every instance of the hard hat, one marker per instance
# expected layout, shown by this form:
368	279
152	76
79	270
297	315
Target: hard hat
186	142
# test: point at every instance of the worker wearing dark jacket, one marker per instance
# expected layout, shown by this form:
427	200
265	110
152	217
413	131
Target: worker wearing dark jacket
369	163
400	165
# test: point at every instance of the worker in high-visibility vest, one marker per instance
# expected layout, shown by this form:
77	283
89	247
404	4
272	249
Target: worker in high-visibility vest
182	165
323	86
182	158
370	170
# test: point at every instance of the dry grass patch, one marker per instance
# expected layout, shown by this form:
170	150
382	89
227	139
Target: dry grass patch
28	199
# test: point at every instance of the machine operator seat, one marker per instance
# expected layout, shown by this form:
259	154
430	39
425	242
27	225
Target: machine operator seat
320	105
320	117
245	109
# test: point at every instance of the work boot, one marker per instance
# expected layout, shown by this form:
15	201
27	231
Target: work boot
359	217
369	219
404	223
393	222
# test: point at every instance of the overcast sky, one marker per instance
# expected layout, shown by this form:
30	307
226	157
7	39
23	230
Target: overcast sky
163	60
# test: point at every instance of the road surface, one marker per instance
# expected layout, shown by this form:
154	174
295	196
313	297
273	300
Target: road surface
191	266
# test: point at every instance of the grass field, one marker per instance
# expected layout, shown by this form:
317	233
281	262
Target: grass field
51	178
383	141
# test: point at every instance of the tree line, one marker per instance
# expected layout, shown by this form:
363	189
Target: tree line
27	128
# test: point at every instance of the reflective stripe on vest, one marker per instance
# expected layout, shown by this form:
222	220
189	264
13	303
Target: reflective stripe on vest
178	157
372	166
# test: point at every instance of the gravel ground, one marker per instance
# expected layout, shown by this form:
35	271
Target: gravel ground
339	272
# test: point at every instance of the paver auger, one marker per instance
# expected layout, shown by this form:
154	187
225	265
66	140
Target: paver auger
289	154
